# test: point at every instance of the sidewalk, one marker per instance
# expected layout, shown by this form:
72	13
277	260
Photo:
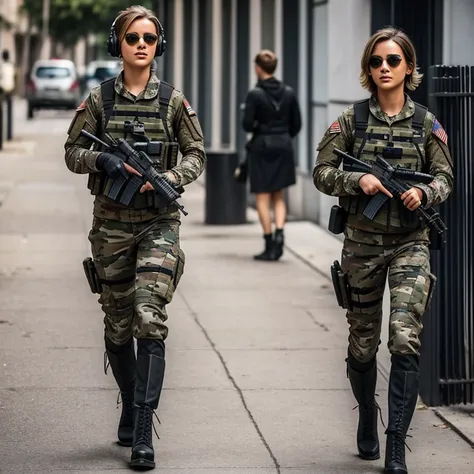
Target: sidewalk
255	379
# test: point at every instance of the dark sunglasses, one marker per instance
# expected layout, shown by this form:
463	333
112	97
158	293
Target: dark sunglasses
133	38
393	60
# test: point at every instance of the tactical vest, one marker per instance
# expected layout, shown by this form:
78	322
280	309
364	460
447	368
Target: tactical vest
371	137
154	118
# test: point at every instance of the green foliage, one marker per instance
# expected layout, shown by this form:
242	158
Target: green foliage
71	20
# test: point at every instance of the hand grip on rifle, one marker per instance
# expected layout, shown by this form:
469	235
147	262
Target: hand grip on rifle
112	165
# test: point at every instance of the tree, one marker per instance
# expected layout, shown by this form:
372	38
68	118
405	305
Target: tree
71	20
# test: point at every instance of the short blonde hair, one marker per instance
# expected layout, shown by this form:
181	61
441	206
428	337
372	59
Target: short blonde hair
126	17
413	80
267	61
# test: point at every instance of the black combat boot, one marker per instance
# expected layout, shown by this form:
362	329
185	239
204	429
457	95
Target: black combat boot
150	375
402	398
123	364
363	378
267	254
279	242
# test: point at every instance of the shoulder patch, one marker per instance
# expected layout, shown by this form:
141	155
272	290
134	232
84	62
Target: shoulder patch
190	111
438	130
82	106
335	127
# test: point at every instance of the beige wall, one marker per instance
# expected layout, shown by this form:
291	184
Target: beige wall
10	9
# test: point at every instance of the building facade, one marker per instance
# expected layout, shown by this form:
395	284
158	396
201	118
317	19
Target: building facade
212	43
9	24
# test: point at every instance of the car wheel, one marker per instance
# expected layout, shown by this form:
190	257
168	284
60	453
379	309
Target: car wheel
30	112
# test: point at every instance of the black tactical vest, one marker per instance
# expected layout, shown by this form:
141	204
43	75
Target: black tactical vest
154	119
370	138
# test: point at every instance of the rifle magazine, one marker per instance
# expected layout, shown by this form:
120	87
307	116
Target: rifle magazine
374	205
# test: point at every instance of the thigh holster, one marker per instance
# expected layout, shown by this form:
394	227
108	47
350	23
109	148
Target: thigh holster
341	286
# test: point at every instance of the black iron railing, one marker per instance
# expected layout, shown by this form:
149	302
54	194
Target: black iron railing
447	360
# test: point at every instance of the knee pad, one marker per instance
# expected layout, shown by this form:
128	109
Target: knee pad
358	365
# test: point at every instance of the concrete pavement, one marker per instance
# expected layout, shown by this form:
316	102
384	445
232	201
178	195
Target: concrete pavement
255	379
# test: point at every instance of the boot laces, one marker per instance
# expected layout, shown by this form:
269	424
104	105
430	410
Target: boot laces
399	444
367	411
126	399
106	363
145	424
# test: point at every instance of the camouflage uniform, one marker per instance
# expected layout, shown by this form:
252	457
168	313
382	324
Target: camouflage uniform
136	248
395	243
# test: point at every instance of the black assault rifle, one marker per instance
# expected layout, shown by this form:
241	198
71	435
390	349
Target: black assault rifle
393	179
140	161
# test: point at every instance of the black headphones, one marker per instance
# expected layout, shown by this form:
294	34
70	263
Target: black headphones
113	44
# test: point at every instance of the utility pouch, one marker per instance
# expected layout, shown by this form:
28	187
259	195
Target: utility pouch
341	286
436	239
337	220
92	275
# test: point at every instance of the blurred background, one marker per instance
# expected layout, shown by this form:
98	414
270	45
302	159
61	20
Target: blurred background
211	46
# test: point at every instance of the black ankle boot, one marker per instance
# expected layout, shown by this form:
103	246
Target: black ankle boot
267	254
363	379
150	375
279	243
402	398
123	364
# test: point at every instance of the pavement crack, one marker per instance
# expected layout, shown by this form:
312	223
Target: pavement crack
315	321
234	383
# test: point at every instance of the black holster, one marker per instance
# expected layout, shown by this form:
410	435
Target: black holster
337	220
341	286
92	276
436	239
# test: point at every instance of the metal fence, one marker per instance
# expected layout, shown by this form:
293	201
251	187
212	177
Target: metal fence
447	360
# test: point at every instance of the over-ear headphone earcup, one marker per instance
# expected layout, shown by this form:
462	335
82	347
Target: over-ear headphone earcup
161	46
112	44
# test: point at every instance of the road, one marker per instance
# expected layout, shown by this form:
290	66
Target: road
255	379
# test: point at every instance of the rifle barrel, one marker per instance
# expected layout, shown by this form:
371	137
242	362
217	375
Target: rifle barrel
94	138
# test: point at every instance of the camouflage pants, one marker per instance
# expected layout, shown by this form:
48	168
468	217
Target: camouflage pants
410	281
141	264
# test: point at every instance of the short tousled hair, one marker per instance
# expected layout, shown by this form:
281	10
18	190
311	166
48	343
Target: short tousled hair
267	61
126	17
413	80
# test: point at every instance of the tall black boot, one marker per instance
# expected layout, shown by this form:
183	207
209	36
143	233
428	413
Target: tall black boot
402	397
123	364
267	253
363	378
279	243
150	375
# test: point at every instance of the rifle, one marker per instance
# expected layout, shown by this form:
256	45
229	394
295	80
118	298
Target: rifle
138	159
394	179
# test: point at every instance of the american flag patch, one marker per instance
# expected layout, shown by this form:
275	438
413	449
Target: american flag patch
82	106
438	130
335	127
189	109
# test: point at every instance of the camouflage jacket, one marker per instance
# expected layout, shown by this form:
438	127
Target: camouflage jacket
331	180
90	117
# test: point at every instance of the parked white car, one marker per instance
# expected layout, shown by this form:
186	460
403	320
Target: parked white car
52	84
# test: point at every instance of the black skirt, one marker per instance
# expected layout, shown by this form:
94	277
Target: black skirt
271	165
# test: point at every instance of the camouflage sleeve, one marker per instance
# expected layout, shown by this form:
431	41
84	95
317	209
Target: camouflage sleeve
327	176
190	139
440	165
79	158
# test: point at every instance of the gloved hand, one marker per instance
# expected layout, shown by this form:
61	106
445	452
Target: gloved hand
112	165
